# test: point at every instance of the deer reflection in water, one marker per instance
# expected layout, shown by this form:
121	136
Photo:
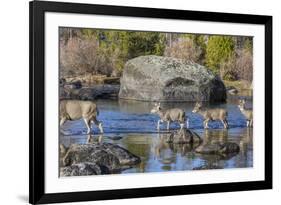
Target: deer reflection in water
212	161
168	153
163	150
246	141
91	139
215	136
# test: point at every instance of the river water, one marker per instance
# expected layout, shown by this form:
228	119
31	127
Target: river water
131	125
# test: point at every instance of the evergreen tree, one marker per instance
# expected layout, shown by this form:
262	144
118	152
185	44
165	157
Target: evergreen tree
219	49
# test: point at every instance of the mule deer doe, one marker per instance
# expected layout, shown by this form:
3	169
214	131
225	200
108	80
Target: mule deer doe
246	112
211	114
77	109
169	115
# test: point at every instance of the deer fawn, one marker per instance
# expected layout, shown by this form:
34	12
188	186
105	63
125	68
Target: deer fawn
248	114
169	115
211	114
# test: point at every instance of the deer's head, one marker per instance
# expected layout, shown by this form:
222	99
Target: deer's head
156	108
197	107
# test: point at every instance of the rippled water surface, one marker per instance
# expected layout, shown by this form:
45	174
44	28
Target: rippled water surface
131	125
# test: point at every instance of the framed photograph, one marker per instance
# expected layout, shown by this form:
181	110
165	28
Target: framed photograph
140	102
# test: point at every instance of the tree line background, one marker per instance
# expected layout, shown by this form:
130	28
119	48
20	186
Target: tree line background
96	51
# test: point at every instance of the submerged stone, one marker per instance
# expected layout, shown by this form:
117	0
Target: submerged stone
218	148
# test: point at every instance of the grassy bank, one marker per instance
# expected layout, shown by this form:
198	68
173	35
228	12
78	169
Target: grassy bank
239	85
244	87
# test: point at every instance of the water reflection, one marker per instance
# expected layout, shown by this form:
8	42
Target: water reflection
215	136
130	125
172	157
157	155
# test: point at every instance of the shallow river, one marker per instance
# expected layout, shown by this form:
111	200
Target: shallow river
131	125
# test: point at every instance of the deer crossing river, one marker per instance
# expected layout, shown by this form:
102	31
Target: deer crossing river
131	125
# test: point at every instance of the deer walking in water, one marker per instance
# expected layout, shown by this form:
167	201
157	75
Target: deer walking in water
77	109
211	115
170	115
248	114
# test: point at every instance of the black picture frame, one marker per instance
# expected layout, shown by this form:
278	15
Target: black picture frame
37	11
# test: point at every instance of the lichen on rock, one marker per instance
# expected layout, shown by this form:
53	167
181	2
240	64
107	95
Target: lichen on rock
156	78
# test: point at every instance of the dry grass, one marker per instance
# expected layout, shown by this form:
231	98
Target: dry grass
93	79
184	48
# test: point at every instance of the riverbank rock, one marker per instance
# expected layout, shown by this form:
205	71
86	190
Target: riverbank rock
156	78
105	91
83	169
183	136
101	156
218	148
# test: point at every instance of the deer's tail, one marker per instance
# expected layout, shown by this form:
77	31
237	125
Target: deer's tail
97	111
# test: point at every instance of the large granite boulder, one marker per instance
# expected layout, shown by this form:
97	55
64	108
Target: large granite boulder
100	158
155	78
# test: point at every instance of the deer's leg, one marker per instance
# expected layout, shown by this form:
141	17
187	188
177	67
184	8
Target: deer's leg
168	125
206	123
89	139
62	121
248	123
187	123
158	124
99	124
182	125
63	150
100	139
224	122
87	123
251	123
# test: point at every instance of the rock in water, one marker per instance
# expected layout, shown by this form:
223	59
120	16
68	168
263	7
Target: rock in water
103	158
183	136
155	78
218	148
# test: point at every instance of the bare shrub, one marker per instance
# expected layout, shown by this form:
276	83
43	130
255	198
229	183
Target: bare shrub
238	67
227	69
184	48
81	56
244	65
